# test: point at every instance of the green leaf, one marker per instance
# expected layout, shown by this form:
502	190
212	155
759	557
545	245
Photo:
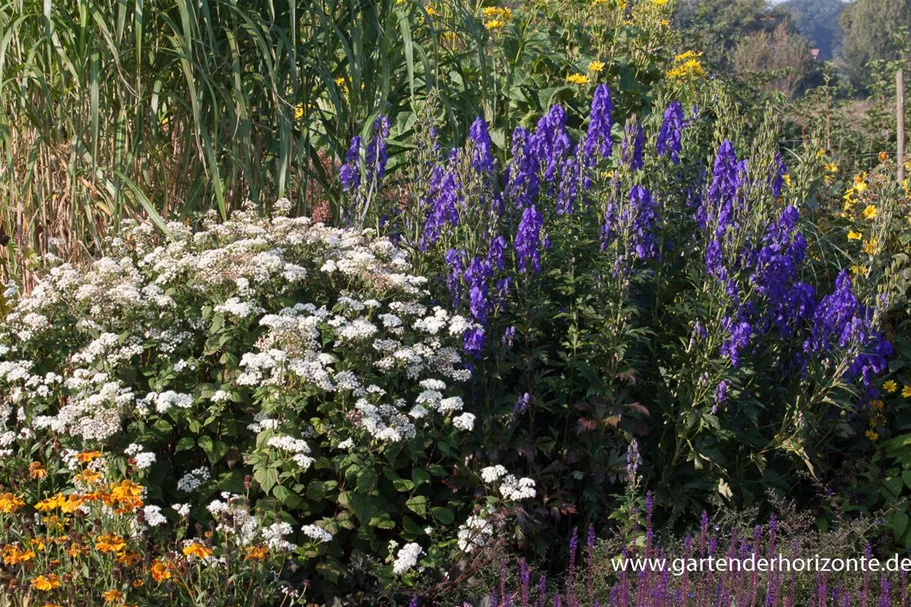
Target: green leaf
403	485
893	485
266	477
444	515
418	505
382	520
184	444
419	476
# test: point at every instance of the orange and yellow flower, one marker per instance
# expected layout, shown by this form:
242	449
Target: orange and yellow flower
9	503
110	543
45	583
198	550
37	471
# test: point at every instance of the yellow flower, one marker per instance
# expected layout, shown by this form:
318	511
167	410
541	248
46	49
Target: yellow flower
198	550
494	24
9	503
820	153
855	269
298	112
128	558
256	553
37	471
890	386
831	167
860	182
51	503
852	235
873	436
787	180
596	66
871	246
160	571
88	477
112	595
906	392
340	81
88	456
13	555
45	583
137	583
110	543
870	212
577	79
659	2
691	69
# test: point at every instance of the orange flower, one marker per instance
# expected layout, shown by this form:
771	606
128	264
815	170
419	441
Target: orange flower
112	595
76	550
137	583
256	553
128	558
45	583
51	503
198	550
88	477
110	543
9	503
37	471
72	503
38	543
88	456
51	605
13	555
160	571
127	496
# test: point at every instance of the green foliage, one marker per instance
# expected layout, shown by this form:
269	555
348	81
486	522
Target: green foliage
818	21
870	28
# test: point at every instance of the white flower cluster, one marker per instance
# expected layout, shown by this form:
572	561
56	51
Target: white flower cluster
407	558
317	534
511	488
143	459
191	481
474	534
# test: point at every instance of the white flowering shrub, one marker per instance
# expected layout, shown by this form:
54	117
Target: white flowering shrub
299	366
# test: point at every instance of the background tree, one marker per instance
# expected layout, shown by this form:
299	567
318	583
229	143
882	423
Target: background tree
717	26
781	59
818	21
869	27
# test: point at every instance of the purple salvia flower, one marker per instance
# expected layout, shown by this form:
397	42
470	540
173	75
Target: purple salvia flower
779	171
455	260
482	159
569	186
473	341
495	252
600	122
377	153
521	177
633	142
528	237
509	337
350	172
521	405
524	582
633	460
550	143
670	135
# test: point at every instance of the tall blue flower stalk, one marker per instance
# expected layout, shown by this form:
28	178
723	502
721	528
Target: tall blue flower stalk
670	138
